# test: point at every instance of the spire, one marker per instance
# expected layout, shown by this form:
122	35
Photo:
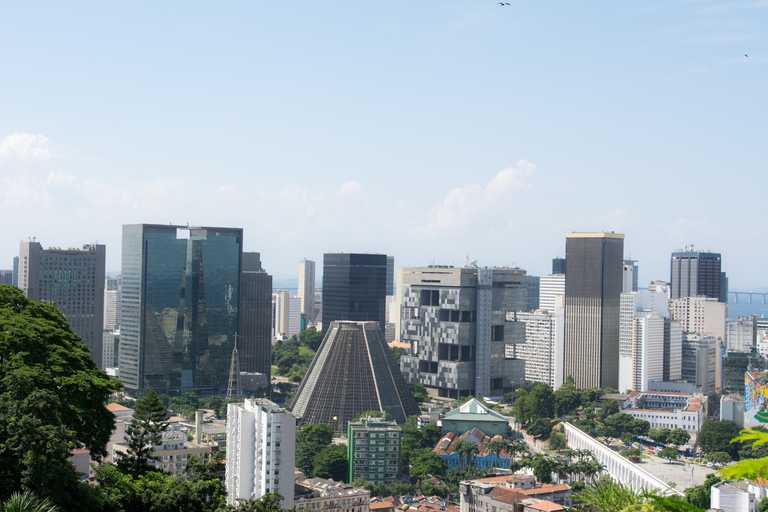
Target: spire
233	388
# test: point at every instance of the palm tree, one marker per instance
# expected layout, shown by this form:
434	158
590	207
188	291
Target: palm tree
26	502
471	452
496	446
462	447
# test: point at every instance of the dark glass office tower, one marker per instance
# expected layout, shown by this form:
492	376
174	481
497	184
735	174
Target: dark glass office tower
593	282
255	341
695	273
179	308
558	266
354	287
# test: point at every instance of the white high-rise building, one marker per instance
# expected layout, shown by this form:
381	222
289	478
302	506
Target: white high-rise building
261	451
740	335
544	347
630	276
641	339
307	289
550	288
287	314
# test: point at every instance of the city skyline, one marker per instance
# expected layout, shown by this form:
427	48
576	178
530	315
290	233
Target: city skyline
419	131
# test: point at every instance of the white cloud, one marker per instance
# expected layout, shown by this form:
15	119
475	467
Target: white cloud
226	188
349	188
24	146
59	179
464	206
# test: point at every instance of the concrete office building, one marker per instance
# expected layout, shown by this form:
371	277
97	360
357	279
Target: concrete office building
699	362
543	350
73	280
307	289
180	308
695	273
254	343
593	283
112	299
354	288
700	314
6	277
642	339
261	451
673	350
373	451
110	343
455	321
629	281
353	371
552	292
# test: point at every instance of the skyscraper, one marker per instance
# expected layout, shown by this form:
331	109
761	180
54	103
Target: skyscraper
552	291
180	308
307	289
255	341
641	339
558	266
354	287
390	275
593	283
630	276
15	271
455	320
73	280
693	273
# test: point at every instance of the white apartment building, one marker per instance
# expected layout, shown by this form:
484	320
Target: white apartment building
170	455
550	288
320	494
667	409
544	347
261	451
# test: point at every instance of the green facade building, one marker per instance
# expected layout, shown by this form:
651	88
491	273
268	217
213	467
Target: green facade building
474	414
373	451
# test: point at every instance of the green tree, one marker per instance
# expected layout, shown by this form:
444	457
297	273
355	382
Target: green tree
399	352
557	441
609	408
566	399
536	403
463	448
542	469
700	495
669	453
428	488
419	391
52	400
331	462
311	440
540	427
269	502
719	457
426	462
715	436
659	434
496	446
678	437
430	435
632	452
150	421
216	404
762	506
201	468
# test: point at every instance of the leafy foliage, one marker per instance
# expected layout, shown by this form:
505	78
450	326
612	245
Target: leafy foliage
332	462
715	436
700	495
311	440
426	462
52	398
294	356
669	453
678	437
270	502
399	352
26	502
419	392
750	469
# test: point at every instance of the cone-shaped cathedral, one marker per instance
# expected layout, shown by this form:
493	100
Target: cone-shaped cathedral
353	371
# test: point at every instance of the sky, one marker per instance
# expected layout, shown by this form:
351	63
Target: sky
434	131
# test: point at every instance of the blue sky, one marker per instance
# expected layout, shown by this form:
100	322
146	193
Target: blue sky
430	130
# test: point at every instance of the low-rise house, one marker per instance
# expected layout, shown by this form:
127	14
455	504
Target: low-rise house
314	494
474	414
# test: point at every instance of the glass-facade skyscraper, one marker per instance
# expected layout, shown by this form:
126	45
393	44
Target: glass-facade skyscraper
354	287
180	308
693	273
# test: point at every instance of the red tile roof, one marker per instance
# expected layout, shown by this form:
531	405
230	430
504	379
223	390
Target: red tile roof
546	505
113	407
507	495
545	488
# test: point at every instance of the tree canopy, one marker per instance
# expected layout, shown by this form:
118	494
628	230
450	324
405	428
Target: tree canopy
52	400
715	436
310	441
332	462
150	421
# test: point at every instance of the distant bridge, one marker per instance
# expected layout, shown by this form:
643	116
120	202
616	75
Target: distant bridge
749	296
